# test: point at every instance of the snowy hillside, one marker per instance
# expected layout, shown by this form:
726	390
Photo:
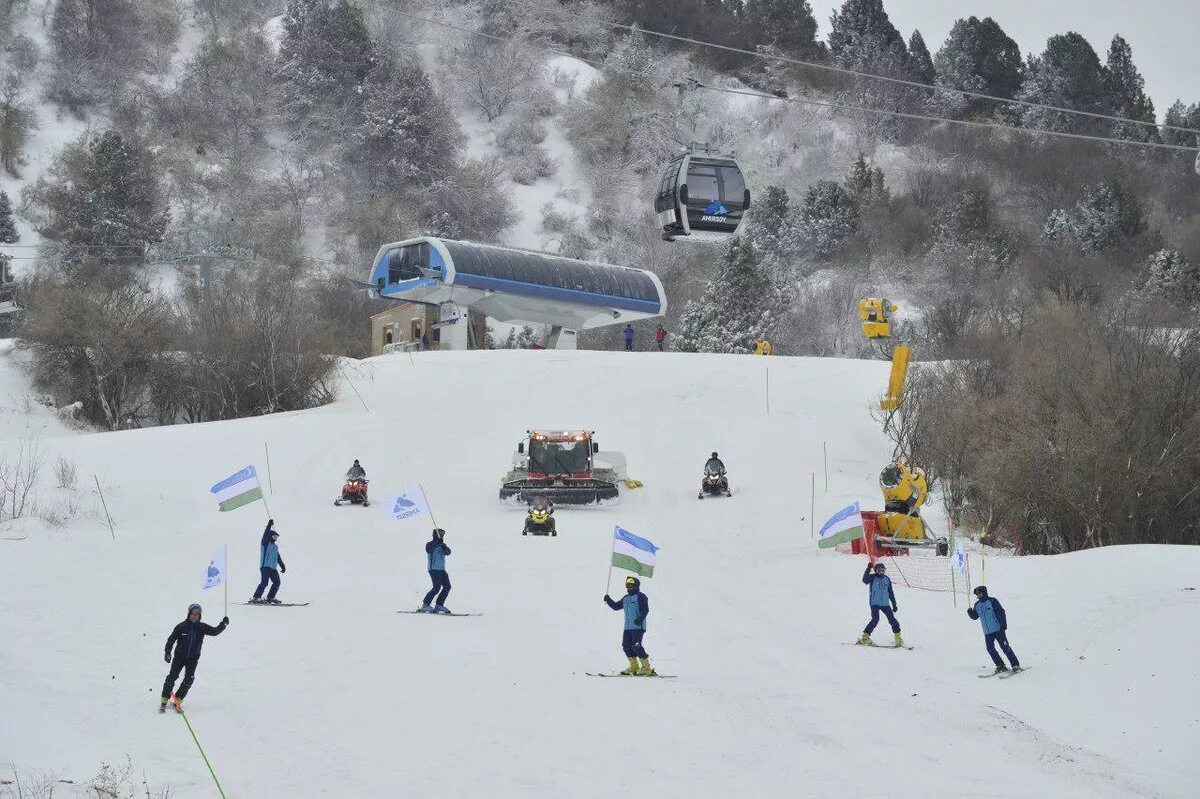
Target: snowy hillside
347	698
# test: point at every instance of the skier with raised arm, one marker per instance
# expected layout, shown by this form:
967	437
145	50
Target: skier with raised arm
187	639
991	615
268	559
882	600
435	559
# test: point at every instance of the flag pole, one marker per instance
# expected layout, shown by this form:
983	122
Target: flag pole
825	450
608	581
983	555
428	507
265	505
812	509
226	580
270	482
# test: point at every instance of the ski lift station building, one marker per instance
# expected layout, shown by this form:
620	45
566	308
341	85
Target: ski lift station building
512	285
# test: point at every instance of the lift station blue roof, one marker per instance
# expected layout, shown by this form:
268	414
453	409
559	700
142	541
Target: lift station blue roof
516	285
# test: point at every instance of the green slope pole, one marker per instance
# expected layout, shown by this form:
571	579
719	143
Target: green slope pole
950	539
210	768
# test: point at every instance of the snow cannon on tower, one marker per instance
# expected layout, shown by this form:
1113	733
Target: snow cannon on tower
564	466
876	314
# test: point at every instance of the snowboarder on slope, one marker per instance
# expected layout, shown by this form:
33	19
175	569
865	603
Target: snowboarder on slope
637	607
995	626
188	640
356	472
435	555
268	559
880	595
629	338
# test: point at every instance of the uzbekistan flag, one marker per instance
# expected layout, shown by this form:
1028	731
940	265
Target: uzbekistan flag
238	489
845	525
633	553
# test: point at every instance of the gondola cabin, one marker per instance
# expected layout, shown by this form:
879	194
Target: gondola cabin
703	197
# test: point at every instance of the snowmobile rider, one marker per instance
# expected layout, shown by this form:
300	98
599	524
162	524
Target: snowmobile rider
715	465
880	595
540	520
356	472
637	607
995	627
435	556
268	559
188	640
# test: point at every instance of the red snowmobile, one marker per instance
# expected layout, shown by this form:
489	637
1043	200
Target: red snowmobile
354	492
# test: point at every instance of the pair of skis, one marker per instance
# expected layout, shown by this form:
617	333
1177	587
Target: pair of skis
1004	675
273	604
431	613
880	646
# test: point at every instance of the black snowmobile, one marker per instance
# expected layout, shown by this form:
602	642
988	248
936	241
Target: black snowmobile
715	483
540	520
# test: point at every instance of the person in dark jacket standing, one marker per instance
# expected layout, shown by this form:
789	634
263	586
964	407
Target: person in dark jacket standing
991	615
880	596
268	559
188	640
637	607
435	558
629	338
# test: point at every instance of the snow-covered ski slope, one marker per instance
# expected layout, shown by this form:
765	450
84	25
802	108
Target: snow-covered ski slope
347	698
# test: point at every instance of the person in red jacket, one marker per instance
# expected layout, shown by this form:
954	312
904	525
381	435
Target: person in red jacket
660	336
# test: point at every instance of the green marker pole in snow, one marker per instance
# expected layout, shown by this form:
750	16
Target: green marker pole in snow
950	538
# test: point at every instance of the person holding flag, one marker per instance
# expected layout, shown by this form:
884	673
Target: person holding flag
638	555
636	606
991	616
268	559
188	639
880	595
435	558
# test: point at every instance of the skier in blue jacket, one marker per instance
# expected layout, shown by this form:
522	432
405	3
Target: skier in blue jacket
268	560
991	615
880	596
629	338
637	607
435	558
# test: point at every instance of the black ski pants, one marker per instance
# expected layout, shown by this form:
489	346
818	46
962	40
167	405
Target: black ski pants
271	575
441	582
886	611
189	674
631	642
991	639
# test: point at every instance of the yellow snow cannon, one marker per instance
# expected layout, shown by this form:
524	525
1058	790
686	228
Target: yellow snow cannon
904	491
876	313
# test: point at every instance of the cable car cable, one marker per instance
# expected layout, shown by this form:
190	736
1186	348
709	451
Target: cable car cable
858	74
801	100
